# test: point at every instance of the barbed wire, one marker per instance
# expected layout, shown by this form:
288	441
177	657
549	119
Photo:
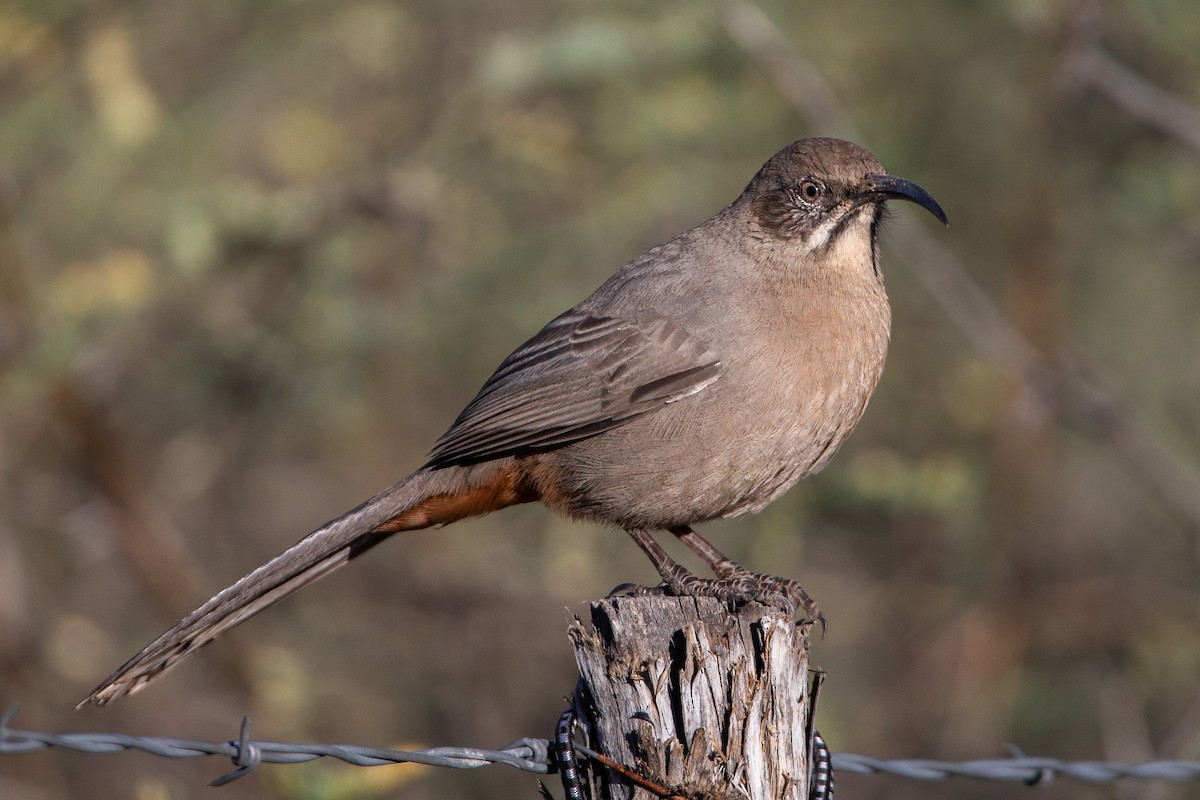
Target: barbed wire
530	755
534	755
1027	769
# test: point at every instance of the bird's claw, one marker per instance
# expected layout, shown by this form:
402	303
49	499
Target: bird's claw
635	590
737	587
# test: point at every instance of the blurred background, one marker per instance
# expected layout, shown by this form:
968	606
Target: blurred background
255	256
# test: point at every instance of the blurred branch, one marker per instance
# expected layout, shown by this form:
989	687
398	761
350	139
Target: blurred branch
1089	66
795	77
1185	731
154	552
1054	387
1125	733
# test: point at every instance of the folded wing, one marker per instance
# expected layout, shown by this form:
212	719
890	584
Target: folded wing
579	376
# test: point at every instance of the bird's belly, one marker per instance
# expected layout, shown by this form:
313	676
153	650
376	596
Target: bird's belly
720	456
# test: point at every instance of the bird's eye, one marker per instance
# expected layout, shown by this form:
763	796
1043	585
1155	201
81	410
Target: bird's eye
811	191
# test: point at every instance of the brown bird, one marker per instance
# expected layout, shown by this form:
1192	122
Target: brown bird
700	381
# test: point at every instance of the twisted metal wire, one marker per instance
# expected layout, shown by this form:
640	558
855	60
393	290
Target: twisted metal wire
564	755
530	755
535	755
1027	769
821	782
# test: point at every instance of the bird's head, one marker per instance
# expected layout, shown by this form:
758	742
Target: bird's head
817	191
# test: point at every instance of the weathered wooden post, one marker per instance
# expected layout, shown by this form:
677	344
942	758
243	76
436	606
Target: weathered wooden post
704	702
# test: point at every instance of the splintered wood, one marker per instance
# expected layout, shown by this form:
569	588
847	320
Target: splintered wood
704	703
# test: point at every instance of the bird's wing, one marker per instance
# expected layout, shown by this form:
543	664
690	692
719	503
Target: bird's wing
579	376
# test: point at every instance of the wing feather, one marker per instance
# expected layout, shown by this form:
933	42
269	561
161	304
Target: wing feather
580	376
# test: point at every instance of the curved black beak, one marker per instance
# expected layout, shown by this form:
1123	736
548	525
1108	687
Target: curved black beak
892	186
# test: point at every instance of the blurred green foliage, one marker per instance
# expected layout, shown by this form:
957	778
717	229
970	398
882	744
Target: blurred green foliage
255	256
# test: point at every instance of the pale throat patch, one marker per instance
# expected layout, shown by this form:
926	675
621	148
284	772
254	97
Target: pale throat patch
860	217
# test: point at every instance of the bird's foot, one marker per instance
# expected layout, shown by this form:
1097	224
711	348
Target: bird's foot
737	586
735	590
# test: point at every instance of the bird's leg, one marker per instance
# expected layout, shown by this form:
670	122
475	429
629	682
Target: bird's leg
737	585
677	579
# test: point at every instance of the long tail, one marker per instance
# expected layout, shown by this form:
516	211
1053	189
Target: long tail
427	497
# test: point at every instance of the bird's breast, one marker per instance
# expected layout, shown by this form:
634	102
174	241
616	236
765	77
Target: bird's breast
802	390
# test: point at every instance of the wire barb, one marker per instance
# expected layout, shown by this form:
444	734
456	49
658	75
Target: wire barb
245	759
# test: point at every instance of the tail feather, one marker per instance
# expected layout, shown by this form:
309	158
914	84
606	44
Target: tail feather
317	554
